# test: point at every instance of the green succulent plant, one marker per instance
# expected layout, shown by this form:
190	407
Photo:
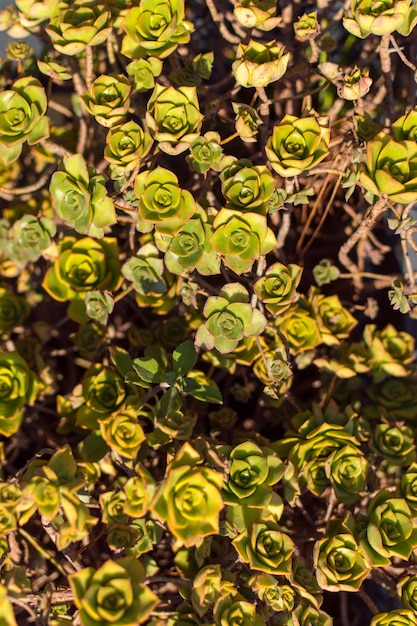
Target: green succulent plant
162	202
252	472
139	491
241	238
206	153
335	322
108	99
396	617
258	64
30	237
155	29
388	530
266	548
235	610
80	197
390	351
347	470
407	592
297	144
13	310
114	593
405	126
341	564
379	19
246	187
126	145
82	265
144	72
189	498
122	432
73	26
277	287
191	249
300	328
22	117
230	318
19	387
259	14
395	442
173	117
390	168
278	597
104	393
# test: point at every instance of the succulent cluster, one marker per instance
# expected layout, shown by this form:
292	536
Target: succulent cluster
208	410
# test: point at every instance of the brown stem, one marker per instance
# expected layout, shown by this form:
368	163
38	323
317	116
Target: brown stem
361	232
385	59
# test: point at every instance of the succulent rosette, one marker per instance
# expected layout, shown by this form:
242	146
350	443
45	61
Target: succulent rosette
265	547
300	329
260	14
395	442
162	202
408	488
113	594
252	472
278	597
231	610
277	287
347	470
247	121
122	432
13	310
230	318
73	26
341	564
34	12
206	153
108	99
397	395
30	237
155	29
258	64
397	617
189	498
19	386
307	26
22	117
379	18
126	145
307	614
241	238
355	84
82	265
104	393
144	72
297	144
390	168
247	187
173	117
405	127
139	491
191	249
388	529
334	321
80	198
145	271
391	352
407	592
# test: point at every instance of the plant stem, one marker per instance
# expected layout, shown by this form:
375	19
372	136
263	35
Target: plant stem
361	232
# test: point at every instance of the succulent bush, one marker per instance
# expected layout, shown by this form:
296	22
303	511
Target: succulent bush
208	401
